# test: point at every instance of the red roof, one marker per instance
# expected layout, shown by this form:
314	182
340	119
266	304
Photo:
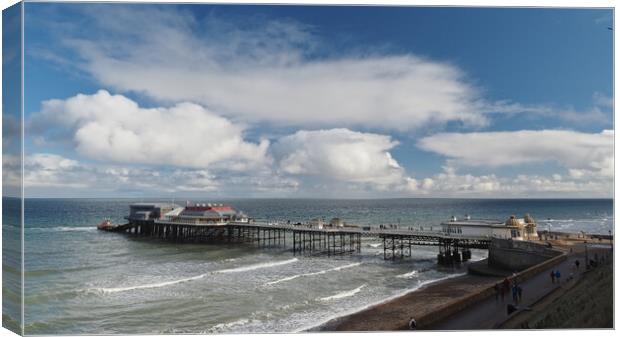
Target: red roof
209	208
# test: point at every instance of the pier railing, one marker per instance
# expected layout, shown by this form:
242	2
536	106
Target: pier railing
312	239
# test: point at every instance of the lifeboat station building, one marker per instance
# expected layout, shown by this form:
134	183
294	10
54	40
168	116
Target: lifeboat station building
513	228
191	214
149	211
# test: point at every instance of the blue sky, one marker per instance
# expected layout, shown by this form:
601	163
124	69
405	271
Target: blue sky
226	101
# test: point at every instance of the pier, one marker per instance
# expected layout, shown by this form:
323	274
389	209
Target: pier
304	239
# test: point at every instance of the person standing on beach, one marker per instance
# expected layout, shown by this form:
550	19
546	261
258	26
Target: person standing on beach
552	276
412	324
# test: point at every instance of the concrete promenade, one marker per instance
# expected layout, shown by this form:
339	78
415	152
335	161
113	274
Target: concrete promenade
491	312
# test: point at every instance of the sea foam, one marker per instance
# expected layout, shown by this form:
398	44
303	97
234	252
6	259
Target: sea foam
408	275
313	274
343	294
257	266
146	286
187	279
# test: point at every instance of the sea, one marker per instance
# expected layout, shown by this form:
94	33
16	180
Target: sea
79	280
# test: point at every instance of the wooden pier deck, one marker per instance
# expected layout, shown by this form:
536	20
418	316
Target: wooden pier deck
306	239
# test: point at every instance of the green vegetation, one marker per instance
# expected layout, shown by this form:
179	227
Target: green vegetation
589	304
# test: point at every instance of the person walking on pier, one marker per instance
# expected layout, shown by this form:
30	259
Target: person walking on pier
552	276
557	275
515	294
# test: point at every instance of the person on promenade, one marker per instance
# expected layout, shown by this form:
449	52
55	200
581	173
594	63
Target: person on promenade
412	324
596	260
497	291
520	293
502	290
505	287
515	298
557	275
577	264
552	276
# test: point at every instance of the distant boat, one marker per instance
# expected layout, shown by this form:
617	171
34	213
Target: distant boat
106	225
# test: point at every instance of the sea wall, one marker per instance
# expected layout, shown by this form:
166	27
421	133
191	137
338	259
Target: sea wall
518	255
551	235
427	321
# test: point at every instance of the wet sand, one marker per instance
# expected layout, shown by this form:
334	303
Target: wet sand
423	304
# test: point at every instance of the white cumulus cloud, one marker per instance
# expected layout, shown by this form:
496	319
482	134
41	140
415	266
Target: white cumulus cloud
114	128
342	155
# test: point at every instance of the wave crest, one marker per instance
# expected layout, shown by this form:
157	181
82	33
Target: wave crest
257	266
313	274
146	286
343	294
187	279
408	275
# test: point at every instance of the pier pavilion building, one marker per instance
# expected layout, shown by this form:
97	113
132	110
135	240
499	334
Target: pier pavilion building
203	214
192	214
513	228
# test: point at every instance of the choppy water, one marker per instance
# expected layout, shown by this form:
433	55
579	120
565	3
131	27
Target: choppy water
80	280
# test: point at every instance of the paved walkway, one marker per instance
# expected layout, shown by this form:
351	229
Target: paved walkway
489	313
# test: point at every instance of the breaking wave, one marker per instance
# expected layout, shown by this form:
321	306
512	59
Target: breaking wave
193	278
257	266
343	294
147	286
224	327
408	275
315	273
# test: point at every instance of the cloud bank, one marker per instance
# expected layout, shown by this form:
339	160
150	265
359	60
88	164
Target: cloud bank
189	148
267	71
583	154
